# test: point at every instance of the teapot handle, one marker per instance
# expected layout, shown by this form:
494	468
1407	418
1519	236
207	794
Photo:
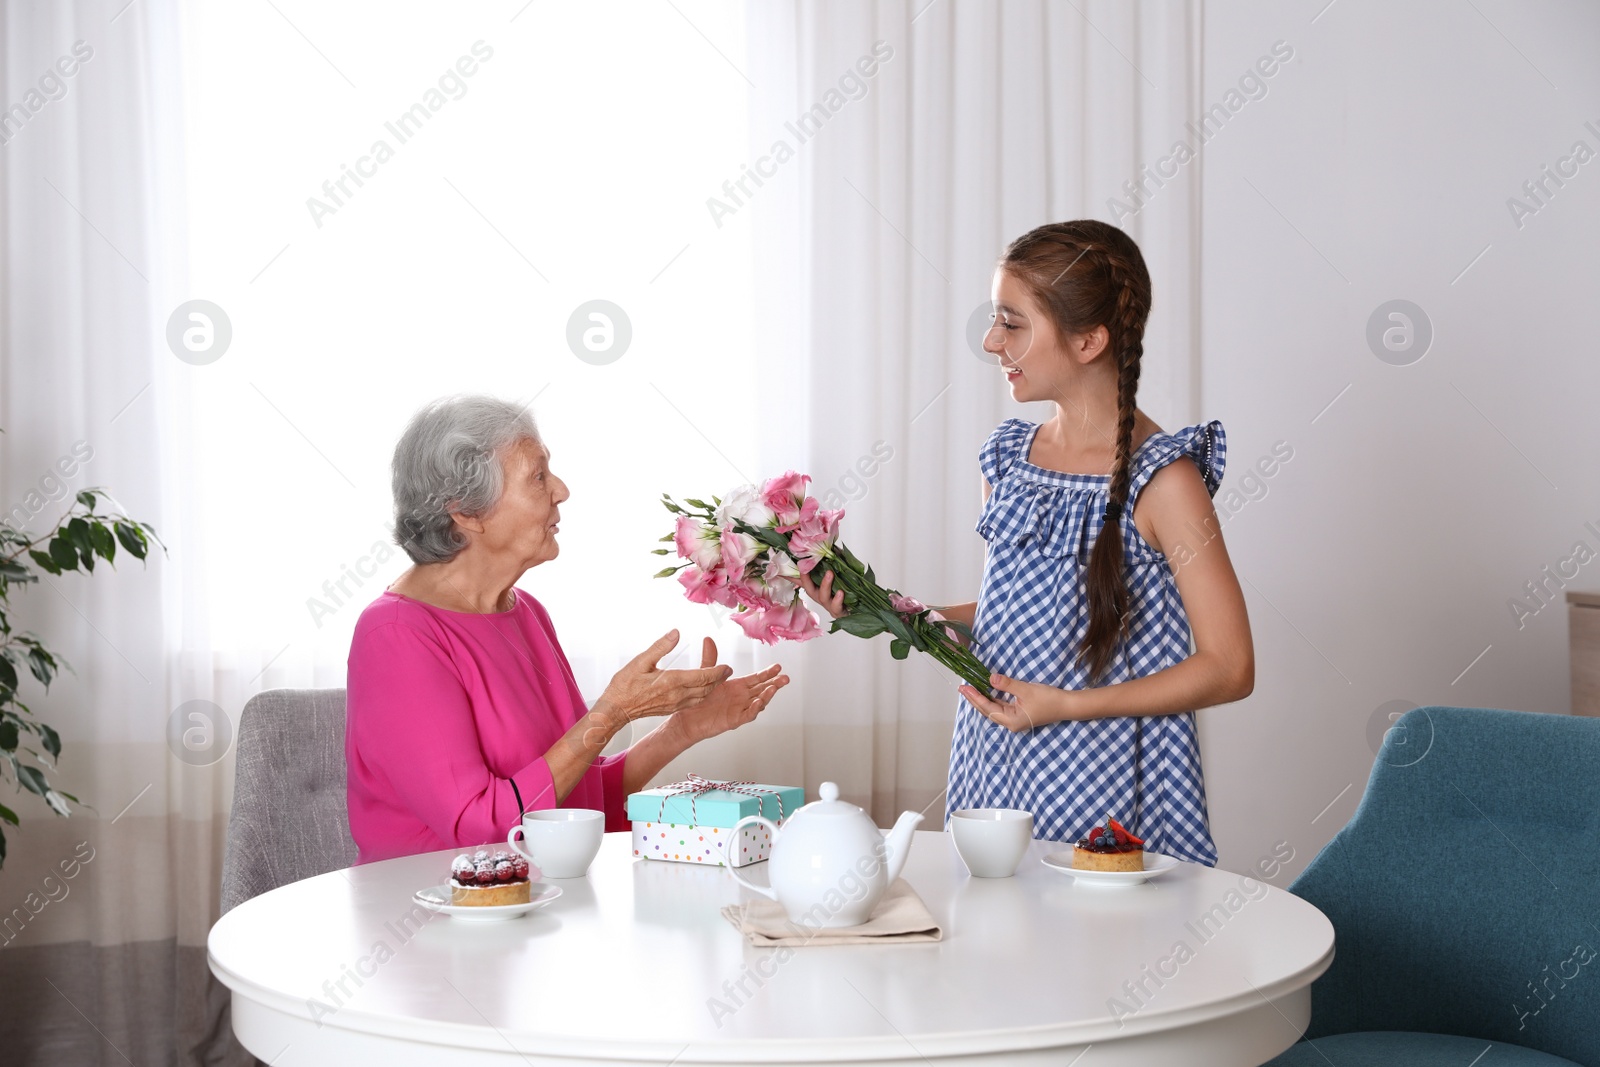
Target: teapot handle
733	836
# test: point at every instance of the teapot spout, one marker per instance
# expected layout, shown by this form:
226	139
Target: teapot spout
899	843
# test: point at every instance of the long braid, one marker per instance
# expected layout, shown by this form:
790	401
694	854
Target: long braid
1108	592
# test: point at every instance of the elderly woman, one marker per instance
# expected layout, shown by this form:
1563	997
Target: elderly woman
463	711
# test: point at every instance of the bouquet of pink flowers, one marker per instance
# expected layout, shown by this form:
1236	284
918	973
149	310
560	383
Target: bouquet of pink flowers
741	550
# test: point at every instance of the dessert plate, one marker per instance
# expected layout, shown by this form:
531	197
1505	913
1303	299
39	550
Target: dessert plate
437	898
1154	864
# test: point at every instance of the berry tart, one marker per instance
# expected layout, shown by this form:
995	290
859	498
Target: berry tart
484	880
1109	848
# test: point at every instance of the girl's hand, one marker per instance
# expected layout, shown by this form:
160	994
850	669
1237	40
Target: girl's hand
1029	704
731	704
832	602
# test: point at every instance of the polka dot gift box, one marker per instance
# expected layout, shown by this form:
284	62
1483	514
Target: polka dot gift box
692	821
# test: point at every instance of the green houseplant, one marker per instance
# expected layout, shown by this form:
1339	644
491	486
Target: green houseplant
29	747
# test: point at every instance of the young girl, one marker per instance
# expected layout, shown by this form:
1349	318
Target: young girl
1104	555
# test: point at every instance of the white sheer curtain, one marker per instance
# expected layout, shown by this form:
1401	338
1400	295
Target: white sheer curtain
176	164
875	246
107	964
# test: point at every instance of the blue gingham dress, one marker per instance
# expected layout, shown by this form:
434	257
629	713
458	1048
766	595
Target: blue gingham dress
1144	771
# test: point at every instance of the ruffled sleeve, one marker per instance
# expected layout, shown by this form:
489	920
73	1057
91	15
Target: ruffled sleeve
1002	449
1205	443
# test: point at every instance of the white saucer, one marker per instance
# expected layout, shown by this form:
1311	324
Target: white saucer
1154	864
437	898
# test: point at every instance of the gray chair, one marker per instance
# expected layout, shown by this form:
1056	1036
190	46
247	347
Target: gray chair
289	819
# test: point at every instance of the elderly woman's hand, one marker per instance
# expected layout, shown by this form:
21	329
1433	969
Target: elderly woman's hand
642	689
731	704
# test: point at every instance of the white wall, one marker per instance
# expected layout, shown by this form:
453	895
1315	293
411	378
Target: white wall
1380	560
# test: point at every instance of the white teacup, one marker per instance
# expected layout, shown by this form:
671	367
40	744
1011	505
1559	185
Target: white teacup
561	842
992	841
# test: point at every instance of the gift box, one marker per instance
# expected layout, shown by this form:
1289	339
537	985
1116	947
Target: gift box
701	844
692	821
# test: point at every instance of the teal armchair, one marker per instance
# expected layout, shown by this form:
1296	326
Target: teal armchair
1465	896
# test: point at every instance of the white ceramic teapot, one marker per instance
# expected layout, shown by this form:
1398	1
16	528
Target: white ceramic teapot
830	864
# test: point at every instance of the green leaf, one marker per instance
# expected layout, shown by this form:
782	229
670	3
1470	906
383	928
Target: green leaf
86	498
104	542
51	740
8	671
57	802
770	538
78	534
132	539
858	625
42	664
8	736
9	816
32	778
899	649
870	579
87	555
64	553
45	562
897	626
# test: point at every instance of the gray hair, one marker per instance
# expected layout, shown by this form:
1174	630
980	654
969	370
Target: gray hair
449	461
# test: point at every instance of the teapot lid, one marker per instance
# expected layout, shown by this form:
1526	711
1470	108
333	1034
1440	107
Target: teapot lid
830	804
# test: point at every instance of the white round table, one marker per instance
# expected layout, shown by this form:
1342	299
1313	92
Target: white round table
635	964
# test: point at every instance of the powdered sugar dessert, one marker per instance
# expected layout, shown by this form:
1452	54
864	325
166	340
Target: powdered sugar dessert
483	879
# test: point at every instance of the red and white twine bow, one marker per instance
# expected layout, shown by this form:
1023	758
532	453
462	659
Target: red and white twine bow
695	785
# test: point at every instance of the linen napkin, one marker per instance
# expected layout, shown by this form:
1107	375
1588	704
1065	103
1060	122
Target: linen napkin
900	916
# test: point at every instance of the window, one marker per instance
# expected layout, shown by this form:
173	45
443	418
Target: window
392	203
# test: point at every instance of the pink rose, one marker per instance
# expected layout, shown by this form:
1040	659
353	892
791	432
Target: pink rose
738	552
784	495
697	542
771	625
753	621
780	565
703	587
755	593
814	537
796	516
793	623
906	605
724	594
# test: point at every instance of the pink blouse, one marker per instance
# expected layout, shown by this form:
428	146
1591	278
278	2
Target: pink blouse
445	711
